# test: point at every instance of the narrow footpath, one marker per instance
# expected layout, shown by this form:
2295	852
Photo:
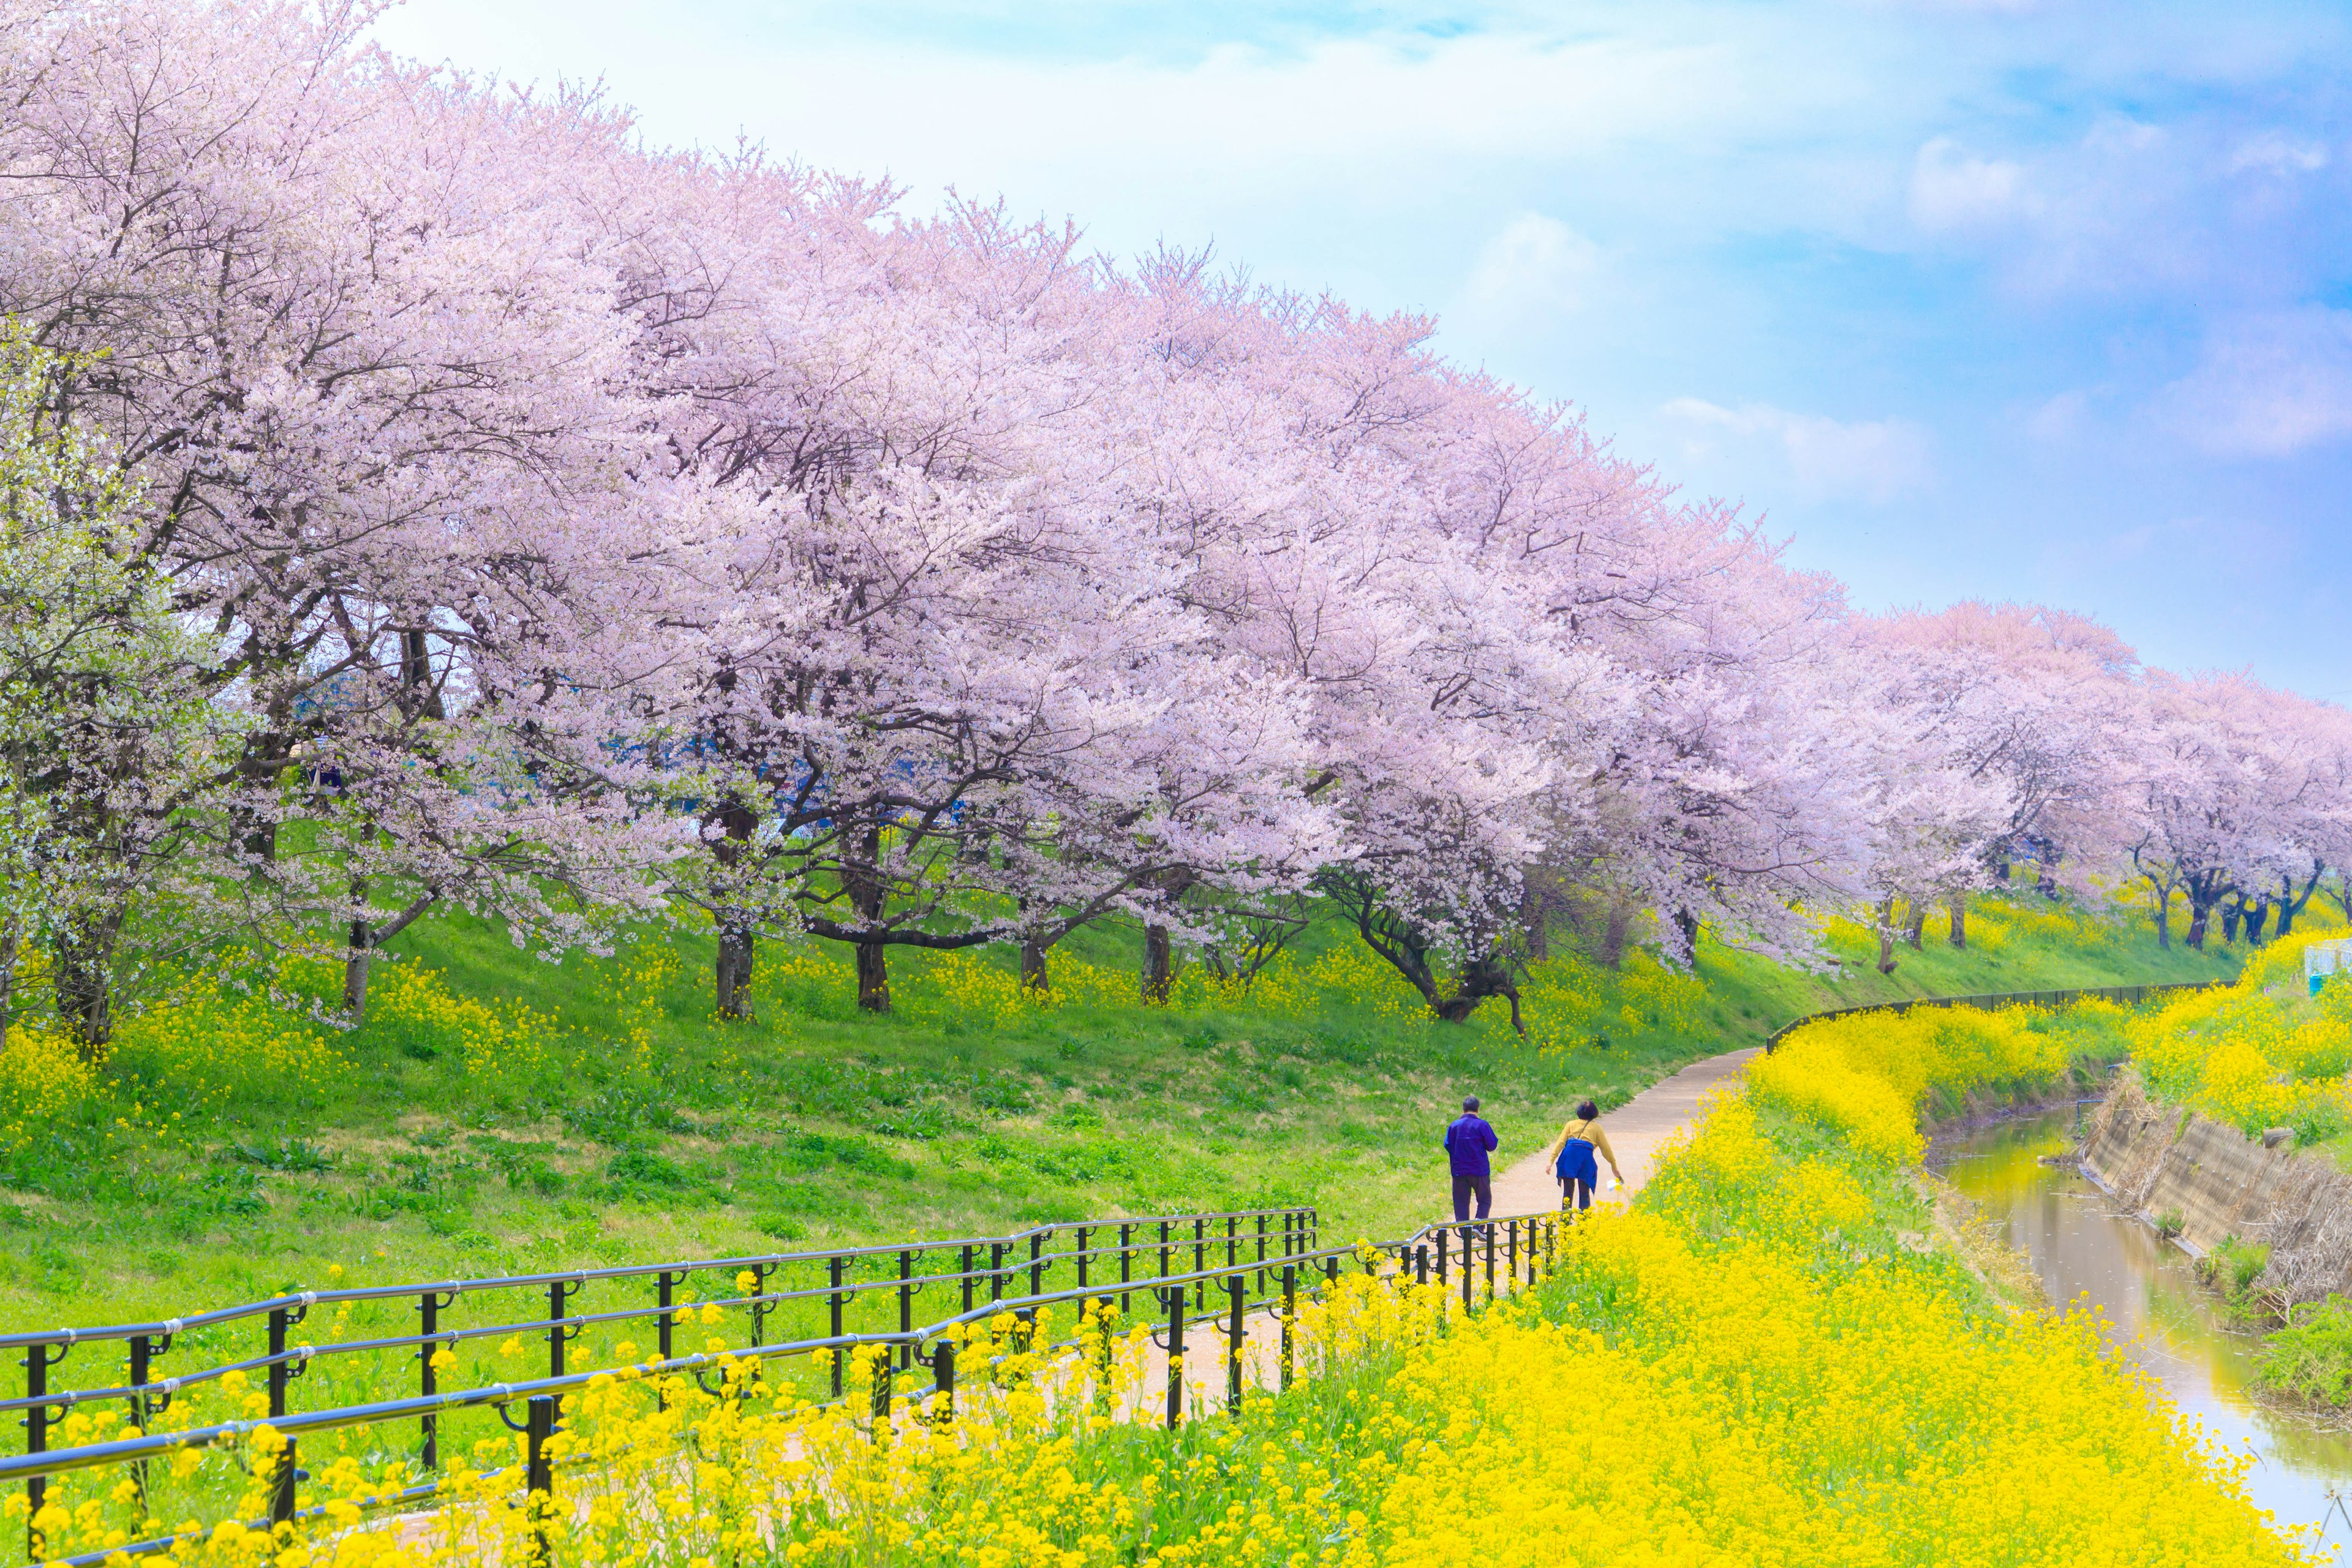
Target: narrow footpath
1637	1130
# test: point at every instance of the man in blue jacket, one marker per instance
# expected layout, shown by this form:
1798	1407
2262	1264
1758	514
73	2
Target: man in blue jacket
1468	1141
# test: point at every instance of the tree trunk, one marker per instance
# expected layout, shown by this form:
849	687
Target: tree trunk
2198	916
355	959
1032	967
2256	919
2229	913
1886	937
874	976
1687	924
1613	933
868	896
1159	965
355	969
82	959
9	941
2000	872
1917	930
731	974
737	948
2164	922
1959	937
1483	978
1534	923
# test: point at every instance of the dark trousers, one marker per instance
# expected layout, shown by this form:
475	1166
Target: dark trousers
1575	1194
1465	1187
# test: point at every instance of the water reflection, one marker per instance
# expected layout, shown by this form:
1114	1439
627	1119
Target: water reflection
2082	1246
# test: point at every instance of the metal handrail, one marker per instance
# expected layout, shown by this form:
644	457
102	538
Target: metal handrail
999	1260
307	1299
57	1461
1174	1290
1993	999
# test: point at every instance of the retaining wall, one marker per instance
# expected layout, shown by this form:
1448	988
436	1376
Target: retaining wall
2157	1160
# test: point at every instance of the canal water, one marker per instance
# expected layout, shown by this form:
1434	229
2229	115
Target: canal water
2082	1245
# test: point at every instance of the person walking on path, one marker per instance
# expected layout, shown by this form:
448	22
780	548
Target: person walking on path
1468	1141
1570	1158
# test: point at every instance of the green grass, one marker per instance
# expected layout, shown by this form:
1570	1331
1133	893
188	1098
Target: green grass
618	1121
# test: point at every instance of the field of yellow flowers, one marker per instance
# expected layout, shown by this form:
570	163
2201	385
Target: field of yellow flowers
2259	1053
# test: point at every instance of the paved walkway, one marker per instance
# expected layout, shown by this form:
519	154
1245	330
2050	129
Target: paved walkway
1636	1131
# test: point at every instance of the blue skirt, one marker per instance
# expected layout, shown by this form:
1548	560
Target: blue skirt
1578	1164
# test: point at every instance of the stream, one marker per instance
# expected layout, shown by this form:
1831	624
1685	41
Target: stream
2080	1245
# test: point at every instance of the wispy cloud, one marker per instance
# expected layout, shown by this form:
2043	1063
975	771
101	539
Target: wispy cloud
2269	385
1875	460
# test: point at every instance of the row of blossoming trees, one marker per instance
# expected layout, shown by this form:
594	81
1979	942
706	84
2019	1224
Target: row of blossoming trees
423	496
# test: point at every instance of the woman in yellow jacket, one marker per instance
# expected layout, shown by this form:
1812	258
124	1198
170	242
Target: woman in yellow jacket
1571	1157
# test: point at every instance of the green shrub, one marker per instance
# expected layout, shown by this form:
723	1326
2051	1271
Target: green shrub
2311	1357
2233	1267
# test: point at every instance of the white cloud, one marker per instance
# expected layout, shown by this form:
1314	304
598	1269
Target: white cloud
1952	189
2268	386
2059	419
2273	152
1534	263
1875	460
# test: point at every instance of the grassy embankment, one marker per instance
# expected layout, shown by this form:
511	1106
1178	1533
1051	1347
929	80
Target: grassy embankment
497	1112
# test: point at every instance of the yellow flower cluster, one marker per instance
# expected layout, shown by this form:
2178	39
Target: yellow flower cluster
43	1084
2258	1053
1863	1075
508	1040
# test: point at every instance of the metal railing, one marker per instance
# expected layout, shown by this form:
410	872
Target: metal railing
1505	1248
794	1304
1992	999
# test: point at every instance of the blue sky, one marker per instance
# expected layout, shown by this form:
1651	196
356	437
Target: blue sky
1999	299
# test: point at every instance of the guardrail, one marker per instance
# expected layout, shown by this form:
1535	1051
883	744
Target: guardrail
836	1296
1992	999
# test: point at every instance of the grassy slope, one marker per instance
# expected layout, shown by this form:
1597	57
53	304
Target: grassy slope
633	1127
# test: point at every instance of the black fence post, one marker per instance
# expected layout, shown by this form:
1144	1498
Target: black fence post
1200	1262
1038	1264
836	1266
1080	1255
882	1394
539	1472
141	1355
759	1272
1261	1251
1442	1263
428	1376
1126	1264
1490	1261
37	1362
1469	1271
1289	1314
1420	1263
559	1296
943	1384
1175	1300
281	1482
906	1307
1237	1298
665	1285
1511	1251
966	1281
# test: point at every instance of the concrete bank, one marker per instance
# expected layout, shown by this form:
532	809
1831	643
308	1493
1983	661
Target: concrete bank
2160	1161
